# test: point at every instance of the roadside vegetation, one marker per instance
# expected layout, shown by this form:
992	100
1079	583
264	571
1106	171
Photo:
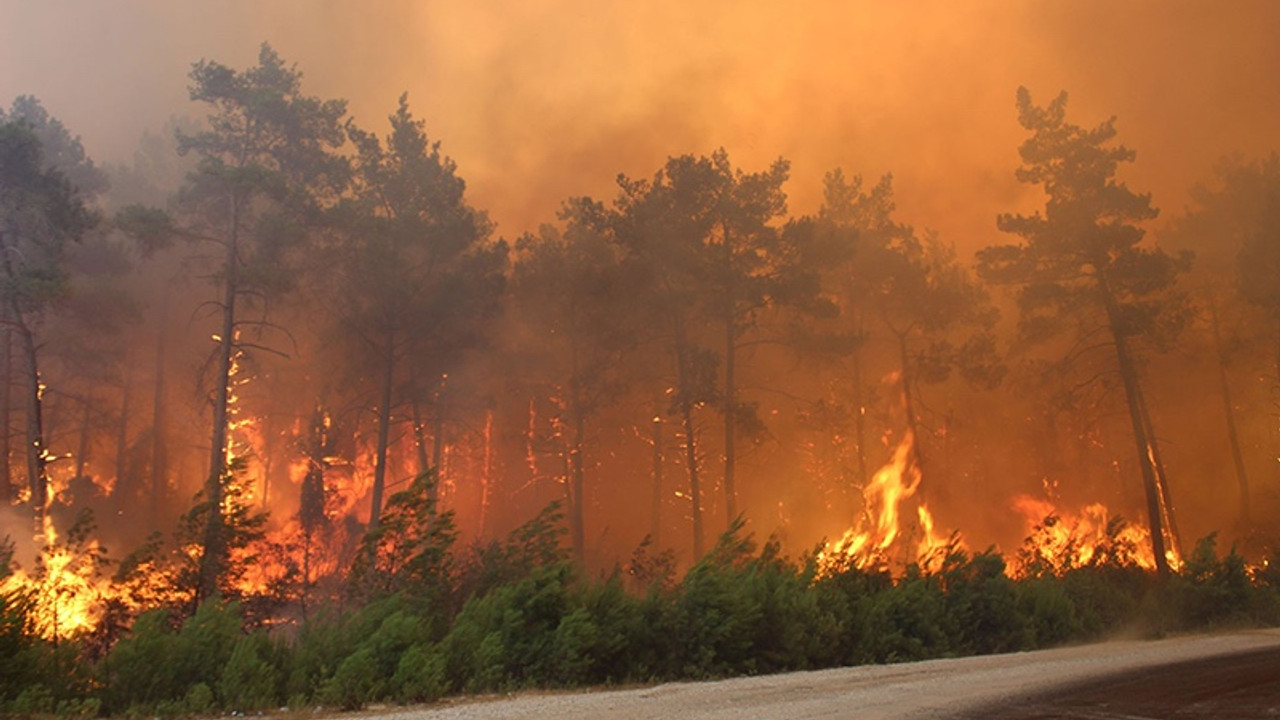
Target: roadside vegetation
519	614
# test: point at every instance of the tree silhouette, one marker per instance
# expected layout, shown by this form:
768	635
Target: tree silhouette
1081	269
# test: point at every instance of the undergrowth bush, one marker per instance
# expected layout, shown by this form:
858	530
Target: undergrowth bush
517	613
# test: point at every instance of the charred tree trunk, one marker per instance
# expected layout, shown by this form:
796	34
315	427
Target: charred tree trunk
655	531
213	557
6	404
82	448
695	489
437	442
577	517
859	411
685	389
730	420
420	439
486	474
1229	414
37	452
159	429
311	512
123	482
909	408
384	432
1167	514
1138	420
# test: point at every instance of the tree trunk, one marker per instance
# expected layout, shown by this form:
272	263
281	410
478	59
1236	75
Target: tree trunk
1137	418
909	408
486	475
730	420
655	531
82	449
213	557
1229	414
437	442
859	413
6	402
1167	515
159	431
124	483
695	489
730	383
577	512
384	432
37	452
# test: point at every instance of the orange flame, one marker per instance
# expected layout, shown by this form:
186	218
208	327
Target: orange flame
879	531
1059	540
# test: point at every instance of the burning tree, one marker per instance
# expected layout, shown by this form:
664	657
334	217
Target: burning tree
569	290
910	291
1081	267
265	166
40	212
418	275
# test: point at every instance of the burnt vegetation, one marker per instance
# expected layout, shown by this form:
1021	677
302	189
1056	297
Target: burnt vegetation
284	421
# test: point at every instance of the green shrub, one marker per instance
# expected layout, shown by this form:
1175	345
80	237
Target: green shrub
1050	614
199	700
249	682
353	684
981	604
421	675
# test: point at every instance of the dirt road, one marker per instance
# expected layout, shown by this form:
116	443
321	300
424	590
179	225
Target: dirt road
1231	675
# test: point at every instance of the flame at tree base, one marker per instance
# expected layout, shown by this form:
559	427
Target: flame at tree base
879	539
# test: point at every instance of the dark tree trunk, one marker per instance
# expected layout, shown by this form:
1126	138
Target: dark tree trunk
37	452
6	404
123	481
730	420
1229	414
213	557
82	448
655	531
1141	436
159	429
486	474
859	413
384	433
695	489
909	408
577	516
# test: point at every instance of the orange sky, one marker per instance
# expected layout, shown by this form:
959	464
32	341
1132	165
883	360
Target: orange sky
543	99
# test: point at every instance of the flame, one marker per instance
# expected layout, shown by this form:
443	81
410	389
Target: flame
67	593
1058	540
877	534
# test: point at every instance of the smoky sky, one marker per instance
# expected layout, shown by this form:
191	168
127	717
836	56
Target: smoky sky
541	100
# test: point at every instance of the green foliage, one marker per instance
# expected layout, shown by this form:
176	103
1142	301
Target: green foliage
156	662
740	610
249	681
354	683
1212	591
421	675
409	549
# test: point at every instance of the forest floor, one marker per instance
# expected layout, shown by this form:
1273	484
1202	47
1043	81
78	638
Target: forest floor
1229	675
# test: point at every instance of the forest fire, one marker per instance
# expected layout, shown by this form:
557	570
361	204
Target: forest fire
419	402
1058	540
67	592
880	539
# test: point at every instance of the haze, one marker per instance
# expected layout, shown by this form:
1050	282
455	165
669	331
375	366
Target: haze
539	101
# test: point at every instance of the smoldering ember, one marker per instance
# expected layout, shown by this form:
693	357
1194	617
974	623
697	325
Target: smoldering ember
423	351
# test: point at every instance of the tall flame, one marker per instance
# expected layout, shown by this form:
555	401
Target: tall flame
879	531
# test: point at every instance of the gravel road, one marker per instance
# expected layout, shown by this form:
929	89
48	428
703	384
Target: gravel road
1042	684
